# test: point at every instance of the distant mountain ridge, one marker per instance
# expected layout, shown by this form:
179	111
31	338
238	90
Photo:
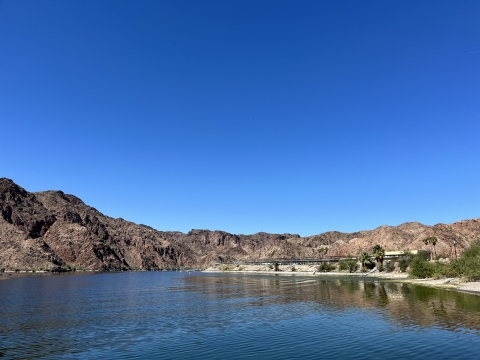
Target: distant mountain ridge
53	230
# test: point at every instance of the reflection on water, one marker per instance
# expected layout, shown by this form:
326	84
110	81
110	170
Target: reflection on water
403	303
213	316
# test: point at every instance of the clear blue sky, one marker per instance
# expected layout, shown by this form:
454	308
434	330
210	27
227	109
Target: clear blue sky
246	116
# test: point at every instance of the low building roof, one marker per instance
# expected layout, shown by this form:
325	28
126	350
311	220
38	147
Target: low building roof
400	253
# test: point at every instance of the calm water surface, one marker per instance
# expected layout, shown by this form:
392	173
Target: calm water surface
168	315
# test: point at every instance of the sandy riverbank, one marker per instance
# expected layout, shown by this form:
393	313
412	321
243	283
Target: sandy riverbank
307	270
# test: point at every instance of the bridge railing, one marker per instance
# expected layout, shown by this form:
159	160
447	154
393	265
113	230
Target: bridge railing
302	261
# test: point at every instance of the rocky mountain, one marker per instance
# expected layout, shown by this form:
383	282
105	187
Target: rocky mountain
50	229
53	230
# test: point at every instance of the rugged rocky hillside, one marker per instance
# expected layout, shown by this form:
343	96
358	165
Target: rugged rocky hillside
50	229
53	230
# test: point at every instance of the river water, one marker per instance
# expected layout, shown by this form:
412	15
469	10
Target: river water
170	315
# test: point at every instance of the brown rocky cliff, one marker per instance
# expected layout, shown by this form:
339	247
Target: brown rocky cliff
220	246
409	236
51	229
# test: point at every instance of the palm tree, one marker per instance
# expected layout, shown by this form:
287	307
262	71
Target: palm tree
426	241
378	254
365	259
431	240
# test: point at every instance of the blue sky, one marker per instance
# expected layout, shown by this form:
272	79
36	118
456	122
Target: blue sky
246	116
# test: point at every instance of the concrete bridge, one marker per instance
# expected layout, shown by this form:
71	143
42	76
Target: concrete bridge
304	261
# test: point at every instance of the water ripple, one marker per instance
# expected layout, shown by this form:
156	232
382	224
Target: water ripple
221	316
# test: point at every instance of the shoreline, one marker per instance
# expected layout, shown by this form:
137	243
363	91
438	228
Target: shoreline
455	284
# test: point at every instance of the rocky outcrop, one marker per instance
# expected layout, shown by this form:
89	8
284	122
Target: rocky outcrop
50	229
220	246
53	230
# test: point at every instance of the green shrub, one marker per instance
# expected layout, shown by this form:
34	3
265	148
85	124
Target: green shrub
349	265
389	266
405	260
293	268
469	268
467	265
473	251
421	268
325	267
322	251
441	270
276	266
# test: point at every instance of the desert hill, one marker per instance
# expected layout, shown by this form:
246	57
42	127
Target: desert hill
53	230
